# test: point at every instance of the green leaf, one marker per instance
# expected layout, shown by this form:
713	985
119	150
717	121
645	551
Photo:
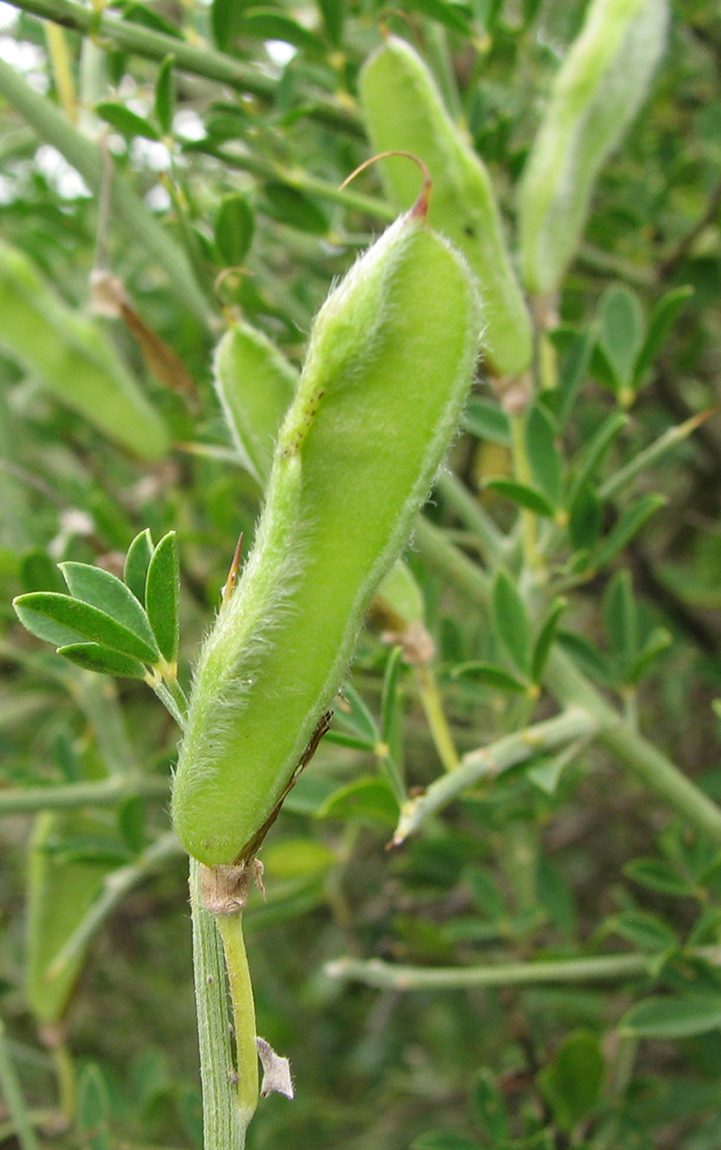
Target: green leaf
588	657
491	675
137	562
109	594
355	742
165	95
658	875
585	518
487	422
162	595
667	1018
124	121
626	526
149	18
545	772
545	640
333	13
443	1140
543	454
368	800
39	573
621	620
486	893
64	616
572	372
295	209
450	14
234	226
660	323
572	1083
391	701
131	823
595	450
658	641
270	24
645	930
226	20
93	1108
490	1107
352	713
622	332
511	621
525	496
103	660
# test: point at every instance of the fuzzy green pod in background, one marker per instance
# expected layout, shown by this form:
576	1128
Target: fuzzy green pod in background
403	110
70	355
597	92
390	359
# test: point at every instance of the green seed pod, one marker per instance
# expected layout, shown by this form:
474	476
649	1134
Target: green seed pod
255	385
595	95
403	110
390	359
70	356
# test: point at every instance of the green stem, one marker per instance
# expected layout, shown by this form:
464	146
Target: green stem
66	1079
241	994
573	689
469	511
12	1093
522	473
71	796
435	715
491	761
621	479
223	1127
374	972
194	58
87	158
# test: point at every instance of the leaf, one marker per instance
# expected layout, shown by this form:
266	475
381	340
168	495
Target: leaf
595	450
270	24
165	95
162	591
545	773
491	675
93	1107
572	372
297	858
141	14
355	742
391	701
543	454
47	614
103	660
486	893
572	1083
658	875
588	657
234	226
39	573
137	562
545	640
585	518
660	323
295	209
352	713
490	1107
131	822
626	526
622	332
333	13
109	594
667	1018
525	496
658	641
226	20
368	800
621	620
452	15
443	1140
124	121
511	621
487	422
645	930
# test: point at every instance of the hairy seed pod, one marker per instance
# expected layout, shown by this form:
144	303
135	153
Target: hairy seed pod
389	362
595	95
403	109
71	356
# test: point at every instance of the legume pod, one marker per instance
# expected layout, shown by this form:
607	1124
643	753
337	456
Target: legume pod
70	355
596	94
389	362
403	110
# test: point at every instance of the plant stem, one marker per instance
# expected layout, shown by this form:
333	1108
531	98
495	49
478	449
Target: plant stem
522	473
223	1128
130	36
13	1095
470	512
489	762
241	994
435	716
573	689
87	158
70	796
374	972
